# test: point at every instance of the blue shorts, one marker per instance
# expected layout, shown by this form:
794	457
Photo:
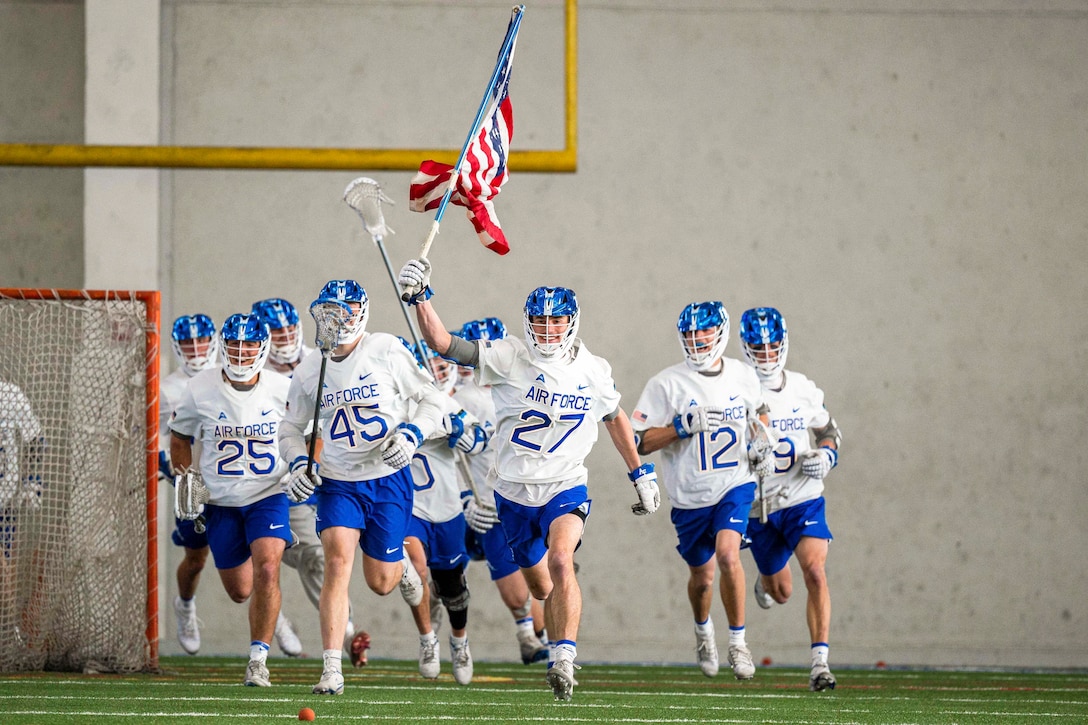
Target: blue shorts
526	527
231	529
697	529
185	535
497	553
379	509
774	541
444	542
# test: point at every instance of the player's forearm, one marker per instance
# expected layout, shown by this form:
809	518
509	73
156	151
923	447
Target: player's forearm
623	438
292	441
430	326
429	412
654	439
181	451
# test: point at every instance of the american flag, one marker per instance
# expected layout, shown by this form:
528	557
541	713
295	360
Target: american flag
483	171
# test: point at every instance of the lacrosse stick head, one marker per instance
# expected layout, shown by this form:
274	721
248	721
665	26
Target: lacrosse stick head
190	495
331	318
761	441
365	196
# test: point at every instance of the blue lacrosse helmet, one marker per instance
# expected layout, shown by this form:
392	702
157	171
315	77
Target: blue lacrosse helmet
240	363
702	352
765	340
551	302
194	341
347	291
282	320
487	328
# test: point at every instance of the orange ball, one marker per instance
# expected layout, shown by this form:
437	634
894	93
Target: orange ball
766	661
306	714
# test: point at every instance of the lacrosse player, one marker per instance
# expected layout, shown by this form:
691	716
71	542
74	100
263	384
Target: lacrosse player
697	414
285	352
436	533
797	520
194	341
549	393
364	490
480	514
235	412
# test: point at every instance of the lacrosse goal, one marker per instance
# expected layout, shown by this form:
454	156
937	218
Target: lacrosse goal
78	450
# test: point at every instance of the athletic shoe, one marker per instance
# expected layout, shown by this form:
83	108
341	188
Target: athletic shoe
741	660
331	683
437	611
360	643
561	679
706	653
257	675
820	678
429	662
763	599
532	649
286	637
462	662
188	627
411	586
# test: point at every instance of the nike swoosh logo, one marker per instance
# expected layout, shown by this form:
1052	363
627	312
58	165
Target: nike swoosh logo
735	521
265	412
796	409
733	397
454	560
582	387
390	551
564	505
275	526
810	523
364	377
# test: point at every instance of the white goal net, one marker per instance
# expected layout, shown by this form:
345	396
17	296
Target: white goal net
78	388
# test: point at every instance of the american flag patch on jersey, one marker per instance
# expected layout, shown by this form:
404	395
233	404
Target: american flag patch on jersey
639	416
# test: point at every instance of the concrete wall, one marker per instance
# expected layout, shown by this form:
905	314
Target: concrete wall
904	180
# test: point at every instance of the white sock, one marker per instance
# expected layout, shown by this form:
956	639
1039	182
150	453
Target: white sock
187	604
705	629
565	650
332	659
428	638
819	653
258	651
458	641
736	636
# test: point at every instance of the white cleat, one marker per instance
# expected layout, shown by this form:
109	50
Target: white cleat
820	678
561	679
411	586
257	675
286	637
741	660
532	649
430	663
763	599
706	653
188	627
331	683
462	662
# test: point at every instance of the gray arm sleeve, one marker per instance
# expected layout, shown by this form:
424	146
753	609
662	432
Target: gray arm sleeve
463	351
611	416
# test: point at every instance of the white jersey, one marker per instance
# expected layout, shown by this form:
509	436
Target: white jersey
365	397
18	425
546	415
237	430
437	495
170	389
698	471
794	410
476	400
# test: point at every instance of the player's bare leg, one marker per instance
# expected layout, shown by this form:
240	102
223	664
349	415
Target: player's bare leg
430	663
528	616
811	554
732	586
339	543
701	597
563	607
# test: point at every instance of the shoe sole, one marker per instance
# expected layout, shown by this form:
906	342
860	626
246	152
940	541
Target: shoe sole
562	689
821	684
319	691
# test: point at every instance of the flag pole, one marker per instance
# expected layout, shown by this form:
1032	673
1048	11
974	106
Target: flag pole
508	42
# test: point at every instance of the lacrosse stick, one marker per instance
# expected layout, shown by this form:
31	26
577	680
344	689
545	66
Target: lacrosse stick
762	444
330	317
365	196
190	495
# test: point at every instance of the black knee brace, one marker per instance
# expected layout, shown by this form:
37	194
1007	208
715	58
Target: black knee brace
452	589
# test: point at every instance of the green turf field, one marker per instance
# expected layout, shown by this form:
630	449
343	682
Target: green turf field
208	689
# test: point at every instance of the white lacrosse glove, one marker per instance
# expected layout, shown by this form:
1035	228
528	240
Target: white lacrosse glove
398	449
415	280
649	496
818	463
480	518
298	485
704	419
190	495
472	440
762	464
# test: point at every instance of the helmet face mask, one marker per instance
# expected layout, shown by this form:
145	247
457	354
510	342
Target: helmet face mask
765	340
551	322
194	341
283	324
354	296
703	329
246	344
